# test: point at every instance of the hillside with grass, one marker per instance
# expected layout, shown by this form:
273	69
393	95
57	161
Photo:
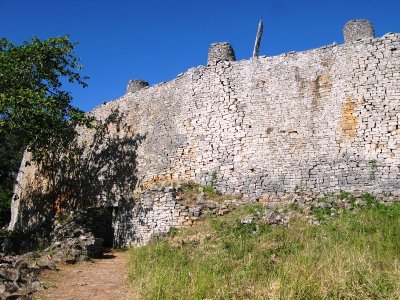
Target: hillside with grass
352	254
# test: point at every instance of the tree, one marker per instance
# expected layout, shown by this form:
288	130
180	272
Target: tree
35	112
10	157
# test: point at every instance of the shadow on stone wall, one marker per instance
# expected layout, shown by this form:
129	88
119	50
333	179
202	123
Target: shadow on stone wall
103	175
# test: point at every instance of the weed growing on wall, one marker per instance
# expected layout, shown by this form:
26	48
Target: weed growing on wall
373	170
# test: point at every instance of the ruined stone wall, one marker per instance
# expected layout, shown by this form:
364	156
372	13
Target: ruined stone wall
321	120
161	208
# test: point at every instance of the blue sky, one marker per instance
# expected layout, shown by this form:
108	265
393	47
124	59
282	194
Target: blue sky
156	40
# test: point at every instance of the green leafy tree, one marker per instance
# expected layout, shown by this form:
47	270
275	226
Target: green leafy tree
35	112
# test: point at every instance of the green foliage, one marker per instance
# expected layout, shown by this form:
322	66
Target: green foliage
190	191
295	207
353	257
33	107
320	213
346	195
189	188
369	199
35	112
64	218
214	178
209	189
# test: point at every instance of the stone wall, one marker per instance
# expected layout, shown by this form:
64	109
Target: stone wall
320	120
136	85
160	208
355	30
220	52
325	119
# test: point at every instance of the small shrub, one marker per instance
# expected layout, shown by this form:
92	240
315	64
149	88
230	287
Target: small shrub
348	196
64	218
369	199
214	178
188	188
209	189
190	191
324	199
295	207
172	232
344	195
320	213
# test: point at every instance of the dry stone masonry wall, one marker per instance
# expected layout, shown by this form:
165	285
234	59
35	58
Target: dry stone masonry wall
220	52
136	85
320	120
161	208
356	30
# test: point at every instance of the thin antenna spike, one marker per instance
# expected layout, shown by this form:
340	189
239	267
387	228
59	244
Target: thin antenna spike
258	39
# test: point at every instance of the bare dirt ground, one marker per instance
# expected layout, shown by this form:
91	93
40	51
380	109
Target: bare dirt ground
103	279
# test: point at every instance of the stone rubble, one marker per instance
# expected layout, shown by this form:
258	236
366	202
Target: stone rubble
165	208
79	236
72	243
315	208
18	278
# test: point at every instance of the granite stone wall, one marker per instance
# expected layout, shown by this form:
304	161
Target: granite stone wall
326	119
136	85
220	52
160	208
355	30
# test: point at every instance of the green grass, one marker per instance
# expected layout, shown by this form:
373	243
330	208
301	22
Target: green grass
349	197
356	256
320	214
189	192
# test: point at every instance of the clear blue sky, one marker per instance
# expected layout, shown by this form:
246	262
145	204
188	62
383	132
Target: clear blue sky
156	40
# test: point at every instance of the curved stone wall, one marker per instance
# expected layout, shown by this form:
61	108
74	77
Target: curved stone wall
324	120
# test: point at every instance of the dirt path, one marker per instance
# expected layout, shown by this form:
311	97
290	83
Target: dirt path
102	279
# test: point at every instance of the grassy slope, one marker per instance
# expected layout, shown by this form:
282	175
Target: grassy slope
356	256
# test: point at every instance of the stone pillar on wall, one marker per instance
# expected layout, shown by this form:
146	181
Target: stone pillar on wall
356	30
220	52
136	85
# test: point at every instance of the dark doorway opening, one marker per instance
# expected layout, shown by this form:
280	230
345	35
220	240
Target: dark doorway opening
100	223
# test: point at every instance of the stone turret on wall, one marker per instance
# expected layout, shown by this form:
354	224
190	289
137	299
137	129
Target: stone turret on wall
220	52
136	85
356	30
